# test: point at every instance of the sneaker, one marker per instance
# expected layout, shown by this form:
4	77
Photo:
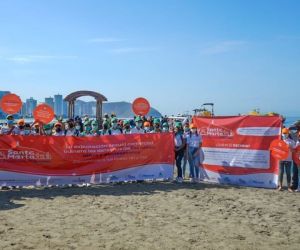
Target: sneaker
179	179
297	190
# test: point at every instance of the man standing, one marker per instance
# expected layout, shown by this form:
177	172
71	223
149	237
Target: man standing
285	165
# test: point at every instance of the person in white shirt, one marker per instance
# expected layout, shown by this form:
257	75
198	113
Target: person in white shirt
285	165
115	129
58	131
19	129
138	129
194	143
70	129
9	127
180	145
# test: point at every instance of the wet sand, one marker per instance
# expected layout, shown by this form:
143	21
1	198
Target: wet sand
149	216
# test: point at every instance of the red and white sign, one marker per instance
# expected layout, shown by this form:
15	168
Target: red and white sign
43	113
11	104
47	160
236	149
279	149
141	106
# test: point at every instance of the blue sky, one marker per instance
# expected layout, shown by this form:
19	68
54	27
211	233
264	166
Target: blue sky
239	54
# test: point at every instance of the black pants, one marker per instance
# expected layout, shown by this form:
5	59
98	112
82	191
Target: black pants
178	158
295	178
285	166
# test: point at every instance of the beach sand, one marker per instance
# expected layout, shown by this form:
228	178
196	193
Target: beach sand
149	216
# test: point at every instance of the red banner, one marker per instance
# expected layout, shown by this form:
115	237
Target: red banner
79	156
236	149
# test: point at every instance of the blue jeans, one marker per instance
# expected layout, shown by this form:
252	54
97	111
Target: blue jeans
285	166
295	178
194	162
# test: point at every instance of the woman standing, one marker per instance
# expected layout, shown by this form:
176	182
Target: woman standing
194	143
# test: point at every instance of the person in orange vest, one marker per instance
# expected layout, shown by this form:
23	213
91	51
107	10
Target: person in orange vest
285	165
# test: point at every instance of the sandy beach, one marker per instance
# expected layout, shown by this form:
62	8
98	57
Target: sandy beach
149	216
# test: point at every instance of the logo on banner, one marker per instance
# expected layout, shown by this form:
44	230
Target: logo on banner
22	153
216	131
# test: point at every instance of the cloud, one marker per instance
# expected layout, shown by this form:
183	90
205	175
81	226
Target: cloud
130	50
223	47
23	59
104	40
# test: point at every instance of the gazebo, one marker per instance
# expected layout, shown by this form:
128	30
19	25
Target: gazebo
71	98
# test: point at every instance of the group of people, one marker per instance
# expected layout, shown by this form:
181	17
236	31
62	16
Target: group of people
187	140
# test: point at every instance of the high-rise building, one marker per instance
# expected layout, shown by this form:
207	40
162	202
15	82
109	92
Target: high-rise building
30	106
23	110
50	101
65	108
3	93
58	104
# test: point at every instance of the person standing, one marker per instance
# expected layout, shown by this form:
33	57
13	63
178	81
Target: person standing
138	129
285	165
9	127
194	144
298	145
115	129
180	145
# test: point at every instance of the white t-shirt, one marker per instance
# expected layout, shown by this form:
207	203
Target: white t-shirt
61	133
18	131
116	131
194	140
292	145
70	132
4	130
136	130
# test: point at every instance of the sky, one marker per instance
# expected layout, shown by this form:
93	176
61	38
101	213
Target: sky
179	54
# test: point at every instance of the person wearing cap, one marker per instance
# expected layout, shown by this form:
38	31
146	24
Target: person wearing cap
27	129
95	128
87	128
105	129
36	129
147	127
180	146
19	129
115	129
156	124
138	129
165	127
9	127
48	129
70	129
285	165
78	127
126	127
194	143
58	131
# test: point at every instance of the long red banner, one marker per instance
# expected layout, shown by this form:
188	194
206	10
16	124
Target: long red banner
81	156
